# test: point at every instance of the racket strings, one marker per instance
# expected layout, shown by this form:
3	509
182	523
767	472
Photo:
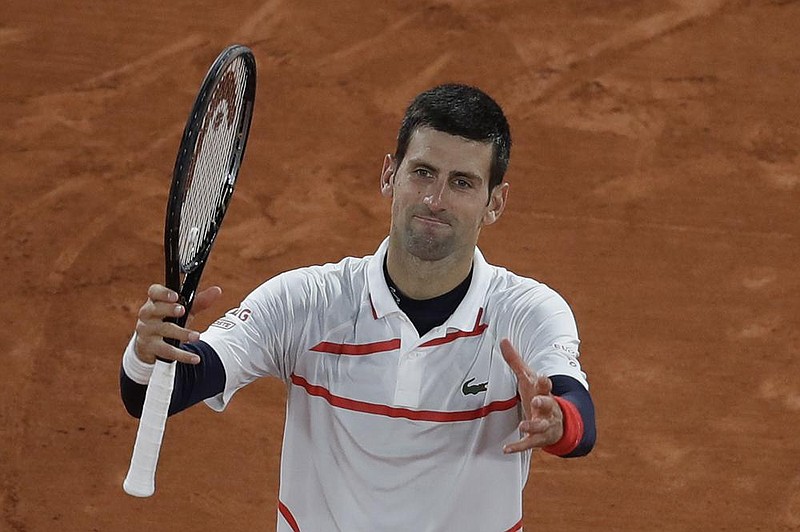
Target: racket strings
210	176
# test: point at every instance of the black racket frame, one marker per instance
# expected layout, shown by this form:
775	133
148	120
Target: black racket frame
183	164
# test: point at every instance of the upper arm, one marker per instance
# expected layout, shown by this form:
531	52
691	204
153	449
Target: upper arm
262	336
546	335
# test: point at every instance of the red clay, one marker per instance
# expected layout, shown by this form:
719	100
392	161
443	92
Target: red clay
655	182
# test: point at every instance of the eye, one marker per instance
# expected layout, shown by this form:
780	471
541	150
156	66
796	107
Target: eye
423	172
462	183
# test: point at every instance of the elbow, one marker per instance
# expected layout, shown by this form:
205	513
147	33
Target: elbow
133	410
586	444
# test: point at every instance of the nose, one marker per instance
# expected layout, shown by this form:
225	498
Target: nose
435	196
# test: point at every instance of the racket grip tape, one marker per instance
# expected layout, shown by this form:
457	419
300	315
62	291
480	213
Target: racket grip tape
140	481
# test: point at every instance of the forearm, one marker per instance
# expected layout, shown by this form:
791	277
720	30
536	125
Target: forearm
193	382
580	430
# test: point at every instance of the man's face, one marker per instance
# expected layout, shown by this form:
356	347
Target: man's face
440	194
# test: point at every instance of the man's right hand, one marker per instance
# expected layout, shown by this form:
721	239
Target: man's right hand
151	329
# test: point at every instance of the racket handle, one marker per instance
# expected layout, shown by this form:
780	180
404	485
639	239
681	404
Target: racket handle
140	481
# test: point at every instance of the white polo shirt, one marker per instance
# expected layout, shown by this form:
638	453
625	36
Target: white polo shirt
386	430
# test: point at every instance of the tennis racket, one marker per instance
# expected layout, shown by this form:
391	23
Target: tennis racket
205	173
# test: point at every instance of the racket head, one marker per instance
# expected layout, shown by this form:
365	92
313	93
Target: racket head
206	168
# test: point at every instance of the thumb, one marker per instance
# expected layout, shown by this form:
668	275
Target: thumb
205	298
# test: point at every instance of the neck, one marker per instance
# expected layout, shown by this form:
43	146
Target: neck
421	279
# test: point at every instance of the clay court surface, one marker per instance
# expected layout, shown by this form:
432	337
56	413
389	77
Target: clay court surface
655	182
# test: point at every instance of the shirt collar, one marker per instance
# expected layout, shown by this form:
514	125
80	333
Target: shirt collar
465	316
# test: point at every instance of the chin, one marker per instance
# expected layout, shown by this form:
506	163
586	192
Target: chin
428	249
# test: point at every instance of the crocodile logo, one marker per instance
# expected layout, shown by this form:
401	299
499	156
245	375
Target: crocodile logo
473	389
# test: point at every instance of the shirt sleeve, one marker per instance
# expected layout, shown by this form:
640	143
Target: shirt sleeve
261	337
545	333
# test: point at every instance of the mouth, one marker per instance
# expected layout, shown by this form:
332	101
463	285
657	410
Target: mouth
432	220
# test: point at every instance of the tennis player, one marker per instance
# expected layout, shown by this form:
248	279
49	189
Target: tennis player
420	378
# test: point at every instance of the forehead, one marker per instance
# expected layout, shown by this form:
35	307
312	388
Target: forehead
450	153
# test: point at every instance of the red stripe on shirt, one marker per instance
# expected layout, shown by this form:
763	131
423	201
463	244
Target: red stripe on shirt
288	516
371	306
517	526
477	330
334	348
454	336
357	349
406	413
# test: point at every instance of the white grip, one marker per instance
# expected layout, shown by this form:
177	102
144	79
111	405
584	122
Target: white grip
140	481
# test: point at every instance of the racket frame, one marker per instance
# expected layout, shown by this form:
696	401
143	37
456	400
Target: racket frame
187	288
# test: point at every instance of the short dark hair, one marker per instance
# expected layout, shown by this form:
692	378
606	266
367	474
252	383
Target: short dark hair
464	111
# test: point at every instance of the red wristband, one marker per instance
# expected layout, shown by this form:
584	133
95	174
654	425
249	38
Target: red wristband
573	429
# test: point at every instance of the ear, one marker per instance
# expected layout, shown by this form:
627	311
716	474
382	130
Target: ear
497	204
387	176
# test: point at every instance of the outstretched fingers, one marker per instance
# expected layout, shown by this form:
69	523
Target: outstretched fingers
541	424
541	428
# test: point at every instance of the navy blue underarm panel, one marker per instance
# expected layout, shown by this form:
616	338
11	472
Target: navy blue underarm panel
193	382
574	392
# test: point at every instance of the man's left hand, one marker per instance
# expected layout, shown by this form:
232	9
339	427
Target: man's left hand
543	420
